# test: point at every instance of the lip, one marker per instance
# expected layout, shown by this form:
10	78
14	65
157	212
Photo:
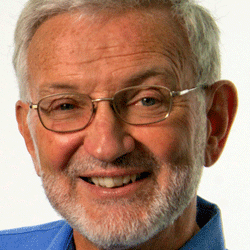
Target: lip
104	193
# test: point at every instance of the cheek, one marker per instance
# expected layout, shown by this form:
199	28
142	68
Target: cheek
171	143
54	150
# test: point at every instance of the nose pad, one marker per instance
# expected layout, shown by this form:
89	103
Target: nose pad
95	105
112	107
106	137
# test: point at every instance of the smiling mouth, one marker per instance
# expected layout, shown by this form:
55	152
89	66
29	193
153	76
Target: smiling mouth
115	182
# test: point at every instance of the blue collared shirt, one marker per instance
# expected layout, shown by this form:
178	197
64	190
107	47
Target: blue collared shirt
210	237
59	235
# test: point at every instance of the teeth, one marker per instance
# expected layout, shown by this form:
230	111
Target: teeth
133	177
95	180
126	179
100	181
118	181
111	182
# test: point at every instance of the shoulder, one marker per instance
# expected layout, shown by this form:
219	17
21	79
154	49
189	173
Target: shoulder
35	237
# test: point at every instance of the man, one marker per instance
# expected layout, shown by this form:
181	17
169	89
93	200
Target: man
121	107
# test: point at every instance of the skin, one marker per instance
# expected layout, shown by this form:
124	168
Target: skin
100	58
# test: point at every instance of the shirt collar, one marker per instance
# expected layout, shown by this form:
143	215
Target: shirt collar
210	235
63	239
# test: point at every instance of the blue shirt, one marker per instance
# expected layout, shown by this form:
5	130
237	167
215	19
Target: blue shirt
59	235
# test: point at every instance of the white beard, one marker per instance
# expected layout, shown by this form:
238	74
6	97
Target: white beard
121	223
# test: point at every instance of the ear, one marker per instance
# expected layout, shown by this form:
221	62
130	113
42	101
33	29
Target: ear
222	102
22	110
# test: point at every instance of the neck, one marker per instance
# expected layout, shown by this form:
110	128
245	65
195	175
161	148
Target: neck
172	238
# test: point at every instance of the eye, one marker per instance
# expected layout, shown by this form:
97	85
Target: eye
67	106
148	101
63	105
146	98
60	105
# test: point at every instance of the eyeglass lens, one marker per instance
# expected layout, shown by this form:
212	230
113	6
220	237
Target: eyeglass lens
134	105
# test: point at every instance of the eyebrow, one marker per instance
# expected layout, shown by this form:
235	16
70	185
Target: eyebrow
135	80
138	78
50	88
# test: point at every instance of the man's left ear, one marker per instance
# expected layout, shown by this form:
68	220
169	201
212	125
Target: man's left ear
222	102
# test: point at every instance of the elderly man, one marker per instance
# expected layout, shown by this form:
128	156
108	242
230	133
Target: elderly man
121	107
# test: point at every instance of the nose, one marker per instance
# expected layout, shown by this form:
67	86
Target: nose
106	138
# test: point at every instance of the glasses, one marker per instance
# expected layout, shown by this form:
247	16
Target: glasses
138	105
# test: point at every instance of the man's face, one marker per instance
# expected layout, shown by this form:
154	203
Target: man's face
99	58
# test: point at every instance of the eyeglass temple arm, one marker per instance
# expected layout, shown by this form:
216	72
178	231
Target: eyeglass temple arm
33	106
185	91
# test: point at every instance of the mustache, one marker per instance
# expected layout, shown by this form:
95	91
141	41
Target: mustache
139	159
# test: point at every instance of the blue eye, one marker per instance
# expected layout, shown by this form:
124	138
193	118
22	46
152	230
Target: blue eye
147	101
67	106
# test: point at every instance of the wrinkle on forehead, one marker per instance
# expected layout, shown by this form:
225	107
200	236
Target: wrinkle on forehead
119	37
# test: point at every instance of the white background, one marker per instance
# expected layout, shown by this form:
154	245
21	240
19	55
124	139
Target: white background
22	201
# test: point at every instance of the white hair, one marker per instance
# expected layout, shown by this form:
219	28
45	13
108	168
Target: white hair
203	33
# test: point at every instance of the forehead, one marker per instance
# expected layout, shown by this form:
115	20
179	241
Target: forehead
130	26
80	41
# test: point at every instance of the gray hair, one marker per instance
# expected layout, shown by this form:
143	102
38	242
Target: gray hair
203	33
